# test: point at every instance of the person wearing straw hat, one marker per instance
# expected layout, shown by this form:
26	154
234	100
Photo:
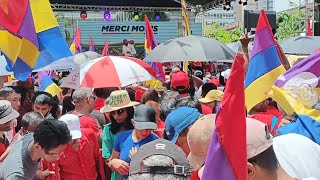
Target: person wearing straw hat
7	116
212	100
119	108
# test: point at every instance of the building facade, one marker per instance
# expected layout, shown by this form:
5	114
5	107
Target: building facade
268	5
221	16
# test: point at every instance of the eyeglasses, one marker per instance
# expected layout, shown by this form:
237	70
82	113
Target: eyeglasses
119	112
93	97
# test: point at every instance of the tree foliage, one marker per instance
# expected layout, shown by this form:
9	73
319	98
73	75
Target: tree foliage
290	25
219	33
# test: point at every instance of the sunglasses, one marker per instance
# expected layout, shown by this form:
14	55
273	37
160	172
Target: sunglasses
119	112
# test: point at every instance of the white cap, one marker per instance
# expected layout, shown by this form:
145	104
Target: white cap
226	73
73	123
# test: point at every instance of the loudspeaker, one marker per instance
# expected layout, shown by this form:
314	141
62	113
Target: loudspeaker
316	29
251	18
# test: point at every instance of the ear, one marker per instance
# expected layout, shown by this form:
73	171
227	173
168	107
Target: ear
37	147
251	171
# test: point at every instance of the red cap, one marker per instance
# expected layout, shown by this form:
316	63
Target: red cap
197	63
138	95
215	82
180	79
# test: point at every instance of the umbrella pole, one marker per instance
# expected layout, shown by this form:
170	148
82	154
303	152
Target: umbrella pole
192	90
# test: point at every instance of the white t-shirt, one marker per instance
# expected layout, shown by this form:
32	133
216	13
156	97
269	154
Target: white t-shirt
298	155
128	50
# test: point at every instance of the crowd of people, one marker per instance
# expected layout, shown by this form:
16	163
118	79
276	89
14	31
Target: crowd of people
139	133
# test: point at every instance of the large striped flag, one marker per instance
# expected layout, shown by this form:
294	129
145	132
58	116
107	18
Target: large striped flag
264	66
30	36
150	43
185	17
227	154
186	29
297	92
75	47
47	85
91	48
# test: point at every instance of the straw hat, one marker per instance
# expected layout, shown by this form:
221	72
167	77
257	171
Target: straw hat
118	100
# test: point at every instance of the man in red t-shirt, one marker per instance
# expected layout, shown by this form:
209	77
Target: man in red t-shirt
260	113
80	158
83	100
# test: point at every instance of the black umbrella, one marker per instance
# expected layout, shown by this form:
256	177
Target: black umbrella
301	45
190	48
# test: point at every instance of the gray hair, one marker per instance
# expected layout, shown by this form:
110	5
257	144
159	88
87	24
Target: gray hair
81	94
157	160
34	118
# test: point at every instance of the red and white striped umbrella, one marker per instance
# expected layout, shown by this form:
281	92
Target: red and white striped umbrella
109	71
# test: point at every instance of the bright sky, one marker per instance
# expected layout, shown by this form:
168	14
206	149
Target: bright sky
281	5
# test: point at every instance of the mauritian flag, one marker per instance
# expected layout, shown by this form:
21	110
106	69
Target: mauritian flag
105	51
297	92
264	65
91	48
227	154
30	38
47	85
149	44
75	47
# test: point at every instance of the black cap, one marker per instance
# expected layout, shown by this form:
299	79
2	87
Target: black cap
163	147
144	118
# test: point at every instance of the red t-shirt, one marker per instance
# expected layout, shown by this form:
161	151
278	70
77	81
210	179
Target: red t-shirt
205	109
159	131
270	120
82	163
99	103
195	175
4	143
274	111
88	122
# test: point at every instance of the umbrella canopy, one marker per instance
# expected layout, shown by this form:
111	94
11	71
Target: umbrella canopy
62	64
301	45
236	46
109	71
190	48
83	57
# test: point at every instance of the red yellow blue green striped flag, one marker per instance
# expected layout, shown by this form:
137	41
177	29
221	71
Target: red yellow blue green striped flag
30	36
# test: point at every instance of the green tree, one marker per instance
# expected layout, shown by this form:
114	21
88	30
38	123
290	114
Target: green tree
219	33
67	22
290	25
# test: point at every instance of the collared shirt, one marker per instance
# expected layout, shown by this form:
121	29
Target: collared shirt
81	164
128	50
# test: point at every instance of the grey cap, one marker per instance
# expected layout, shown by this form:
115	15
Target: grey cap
181	166
144	118
7	113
